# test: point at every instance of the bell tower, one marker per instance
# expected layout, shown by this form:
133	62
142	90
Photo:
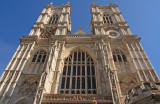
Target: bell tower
53	66
126	57
53	20
23	80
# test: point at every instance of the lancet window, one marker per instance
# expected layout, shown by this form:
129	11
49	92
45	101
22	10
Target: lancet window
118	56
79	76
107	19
53	19
39	57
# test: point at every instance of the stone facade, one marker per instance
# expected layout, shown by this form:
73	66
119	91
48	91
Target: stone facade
53	66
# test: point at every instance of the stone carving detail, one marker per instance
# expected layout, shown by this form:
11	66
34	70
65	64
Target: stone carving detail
113	87
127	83
47	31
40	89
29	85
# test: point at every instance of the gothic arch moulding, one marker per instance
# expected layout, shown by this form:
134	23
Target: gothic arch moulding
79	72
22	100
36	49
67	52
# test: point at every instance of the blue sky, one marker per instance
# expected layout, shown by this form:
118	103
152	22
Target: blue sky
18	16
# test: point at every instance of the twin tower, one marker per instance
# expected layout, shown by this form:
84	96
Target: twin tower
53	66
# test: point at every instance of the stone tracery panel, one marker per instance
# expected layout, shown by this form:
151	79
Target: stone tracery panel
29	84
78	76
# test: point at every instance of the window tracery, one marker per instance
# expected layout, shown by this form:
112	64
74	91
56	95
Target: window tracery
118	56
39	57
78	76
53	19
107	19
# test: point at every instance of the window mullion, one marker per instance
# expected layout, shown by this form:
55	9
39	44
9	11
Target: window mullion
37	57
35	62
78	64
91	76
86	86
71	77
66	77
81	72
41	57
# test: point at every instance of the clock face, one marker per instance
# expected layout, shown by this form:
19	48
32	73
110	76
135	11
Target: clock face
113	34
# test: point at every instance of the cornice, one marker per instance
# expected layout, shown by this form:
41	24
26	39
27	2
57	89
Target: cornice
79	39
27	39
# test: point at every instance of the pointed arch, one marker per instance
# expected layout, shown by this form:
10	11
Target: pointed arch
36	63
22	101
78	75
119	56
82	48
39	56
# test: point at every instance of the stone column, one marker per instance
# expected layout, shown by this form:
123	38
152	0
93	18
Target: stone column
32	32
135	64
58	68
138	60
113	68
37	32
5	73
15	73
147	62
40	18
99	87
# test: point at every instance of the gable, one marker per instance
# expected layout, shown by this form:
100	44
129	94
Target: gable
80	31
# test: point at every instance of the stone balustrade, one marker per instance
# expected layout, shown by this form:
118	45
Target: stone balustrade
88	99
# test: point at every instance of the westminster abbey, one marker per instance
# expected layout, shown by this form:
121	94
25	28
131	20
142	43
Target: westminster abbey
53	66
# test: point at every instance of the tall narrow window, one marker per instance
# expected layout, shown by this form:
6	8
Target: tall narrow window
53	19
114	58
107	19
124	58
78	76
40	56
118	56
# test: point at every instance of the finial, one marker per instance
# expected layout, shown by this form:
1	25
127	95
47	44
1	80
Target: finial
51	3
93	2
110	2
68	2
80	27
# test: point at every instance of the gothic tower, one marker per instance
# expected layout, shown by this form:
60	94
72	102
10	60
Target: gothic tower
53	66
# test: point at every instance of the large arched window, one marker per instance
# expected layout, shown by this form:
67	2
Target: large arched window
78	75
107	19
118	56
53	19
40	56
